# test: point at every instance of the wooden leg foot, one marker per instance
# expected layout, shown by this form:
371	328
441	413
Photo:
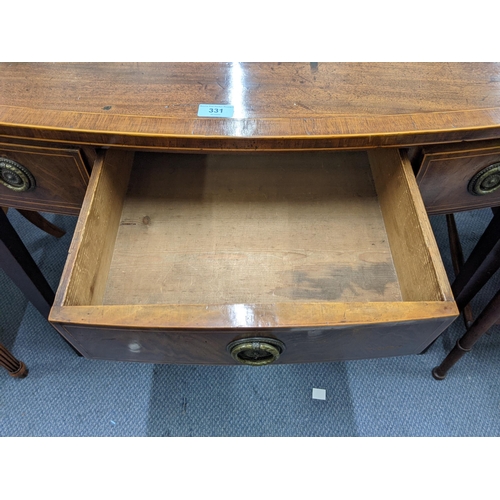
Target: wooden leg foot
15	367
483	323
21	373
436	373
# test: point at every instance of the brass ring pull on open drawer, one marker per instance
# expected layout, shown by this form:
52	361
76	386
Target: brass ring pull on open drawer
256	351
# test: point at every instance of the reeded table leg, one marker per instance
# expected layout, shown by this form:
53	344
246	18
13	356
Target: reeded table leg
15	367
487	318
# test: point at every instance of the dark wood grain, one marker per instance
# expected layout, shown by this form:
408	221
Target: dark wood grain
60	174
339	343
445	173
277	105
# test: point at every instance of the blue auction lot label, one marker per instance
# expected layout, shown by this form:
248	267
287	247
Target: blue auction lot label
216	110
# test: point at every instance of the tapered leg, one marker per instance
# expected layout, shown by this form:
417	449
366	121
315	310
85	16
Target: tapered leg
457	259
487	318
15	367
482	263
42	223
18	264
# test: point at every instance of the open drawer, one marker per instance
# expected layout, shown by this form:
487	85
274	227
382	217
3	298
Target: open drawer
254	258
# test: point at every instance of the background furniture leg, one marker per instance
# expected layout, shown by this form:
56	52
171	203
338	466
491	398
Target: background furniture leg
482	263
457	258
15	367
483	323
42	223
18	264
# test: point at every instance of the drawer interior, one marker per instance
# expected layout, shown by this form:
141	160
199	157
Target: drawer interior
194	229
223	229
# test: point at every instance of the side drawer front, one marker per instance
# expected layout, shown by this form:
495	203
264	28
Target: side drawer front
57	178
211	347
448	174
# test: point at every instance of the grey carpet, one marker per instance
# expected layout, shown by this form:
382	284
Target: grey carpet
65	395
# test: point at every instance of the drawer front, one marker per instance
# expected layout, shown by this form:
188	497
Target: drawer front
226	259
456	178
42	179
150	345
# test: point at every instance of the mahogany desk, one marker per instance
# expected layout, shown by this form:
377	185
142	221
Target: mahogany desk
307	240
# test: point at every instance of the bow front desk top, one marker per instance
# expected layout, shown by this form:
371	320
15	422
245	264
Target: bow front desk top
276	105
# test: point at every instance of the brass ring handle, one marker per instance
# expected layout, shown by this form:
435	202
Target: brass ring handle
256	351
16	177
485	181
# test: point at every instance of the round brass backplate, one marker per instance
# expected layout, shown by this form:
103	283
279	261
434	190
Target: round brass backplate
485	181
256	351
16	177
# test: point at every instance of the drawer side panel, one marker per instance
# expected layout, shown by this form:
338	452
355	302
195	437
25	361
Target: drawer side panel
416	255
85	274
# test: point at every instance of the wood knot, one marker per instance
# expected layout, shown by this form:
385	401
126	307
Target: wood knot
146	220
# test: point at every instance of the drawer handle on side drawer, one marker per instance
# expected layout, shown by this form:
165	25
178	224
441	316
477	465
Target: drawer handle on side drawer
16	177
485	181
256	351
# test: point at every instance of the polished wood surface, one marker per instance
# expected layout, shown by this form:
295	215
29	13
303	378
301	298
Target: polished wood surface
277	105
60	174
446	171
197	331
203	346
